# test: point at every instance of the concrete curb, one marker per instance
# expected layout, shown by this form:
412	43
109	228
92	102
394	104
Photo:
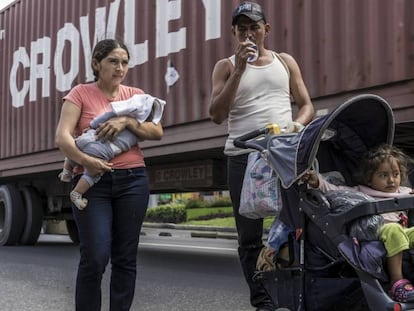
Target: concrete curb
187	227
199	231
214	235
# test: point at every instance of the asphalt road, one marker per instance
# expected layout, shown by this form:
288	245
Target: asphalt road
175	272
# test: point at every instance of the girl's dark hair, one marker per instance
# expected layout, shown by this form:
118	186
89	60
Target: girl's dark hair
375	157
102	49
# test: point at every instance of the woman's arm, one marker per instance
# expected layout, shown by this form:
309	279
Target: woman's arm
69	117
144	131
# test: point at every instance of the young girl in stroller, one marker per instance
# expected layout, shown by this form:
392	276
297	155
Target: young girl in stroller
382	171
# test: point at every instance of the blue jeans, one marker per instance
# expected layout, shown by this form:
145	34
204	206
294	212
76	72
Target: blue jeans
109	228
278	235
249	231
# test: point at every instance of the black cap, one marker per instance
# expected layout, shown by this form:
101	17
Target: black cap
251	10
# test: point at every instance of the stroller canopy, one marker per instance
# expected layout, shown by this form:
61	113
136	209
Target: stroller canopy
337	140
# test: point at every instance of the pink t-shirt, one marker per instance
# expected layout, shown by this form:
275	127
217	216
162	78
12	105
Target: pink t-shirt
92	102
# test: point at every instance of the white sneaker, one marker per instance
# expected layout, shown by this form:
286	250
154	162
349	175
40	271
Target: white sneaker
65	175
77	199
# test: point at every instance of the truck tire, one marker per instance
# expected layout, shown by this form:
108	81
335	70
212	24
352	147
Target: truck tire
33	205
11	215
72	230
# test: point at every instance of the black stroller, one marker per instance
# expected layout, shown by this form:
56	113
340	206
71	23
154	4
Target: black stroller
325	276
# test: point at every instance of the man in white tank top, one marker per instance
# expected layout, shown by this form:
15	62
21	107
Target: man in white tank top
251	95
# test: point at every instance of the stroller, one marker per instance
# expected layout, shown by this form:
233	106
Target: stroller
326	275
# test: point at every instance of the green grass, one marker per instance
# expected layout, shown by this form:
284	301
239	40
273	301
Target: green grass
215	222
219	217
224	222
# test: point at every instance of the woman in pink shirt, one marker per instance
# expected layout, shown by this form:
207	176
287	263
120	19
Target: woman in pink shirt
110	227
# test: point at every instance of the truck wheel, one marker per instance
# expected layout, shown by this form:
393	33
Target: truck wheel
11	215
33	206
72	230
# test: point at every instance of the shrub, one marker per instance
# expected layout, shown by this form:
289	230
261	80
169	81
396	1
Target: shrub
225	201
215	216
198	203
166	214
195	203
209	213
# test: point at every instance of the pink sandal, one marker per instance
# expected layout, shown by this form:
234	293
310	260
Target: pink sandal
402	291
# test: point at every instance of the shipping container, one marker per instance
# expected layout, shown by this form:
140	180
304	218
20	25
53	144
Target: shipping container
344	48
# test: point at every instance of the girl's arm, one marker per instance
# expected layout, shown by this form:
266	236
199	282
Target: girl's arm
316	181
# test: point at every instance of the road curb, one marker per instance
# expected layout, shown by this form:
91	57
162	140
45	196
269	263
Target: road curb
199	231
188	227
214	235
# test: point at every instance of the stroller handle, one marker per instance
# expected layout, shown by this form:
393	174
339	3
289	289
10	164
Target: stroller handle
242	141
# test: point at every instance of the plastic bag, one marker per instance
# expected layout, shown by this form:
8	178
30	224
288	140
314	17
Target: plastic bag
344	200
365	228
260	195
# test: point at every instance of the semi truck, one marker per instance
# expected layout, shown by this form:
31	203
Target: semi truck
344	48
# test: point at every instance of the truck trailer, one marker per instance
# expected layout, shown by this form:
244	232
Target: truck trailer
344	48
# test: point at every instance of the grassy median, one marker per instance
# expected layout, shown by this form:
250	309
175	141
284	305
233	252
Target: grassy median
224	222
197	213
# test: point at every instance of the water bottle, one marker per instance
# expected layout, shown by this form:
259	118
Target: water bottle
252	58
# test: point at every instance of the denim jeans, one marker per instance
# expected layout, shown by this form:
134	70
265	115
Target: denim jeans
109	229
278	235
249	231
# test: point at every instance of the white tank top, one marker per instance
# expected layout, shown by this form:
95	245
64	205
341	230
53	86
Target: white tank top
263	97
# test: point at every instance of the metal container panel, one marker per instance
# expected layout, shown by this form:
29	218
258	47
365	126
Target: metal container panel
346	45
342	47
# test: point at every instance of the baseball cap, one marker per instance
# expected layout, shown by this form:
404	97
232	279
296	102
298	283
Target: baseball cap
251	10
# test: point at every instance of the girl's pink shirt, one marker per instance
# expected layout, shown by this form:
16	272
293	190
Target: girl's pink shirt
92	102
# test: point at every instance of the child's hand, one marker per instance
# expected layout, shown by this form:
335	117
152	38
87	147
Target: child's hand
311	178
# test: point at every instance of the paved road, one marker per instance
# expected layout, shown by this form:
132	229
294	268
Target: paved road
175	273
